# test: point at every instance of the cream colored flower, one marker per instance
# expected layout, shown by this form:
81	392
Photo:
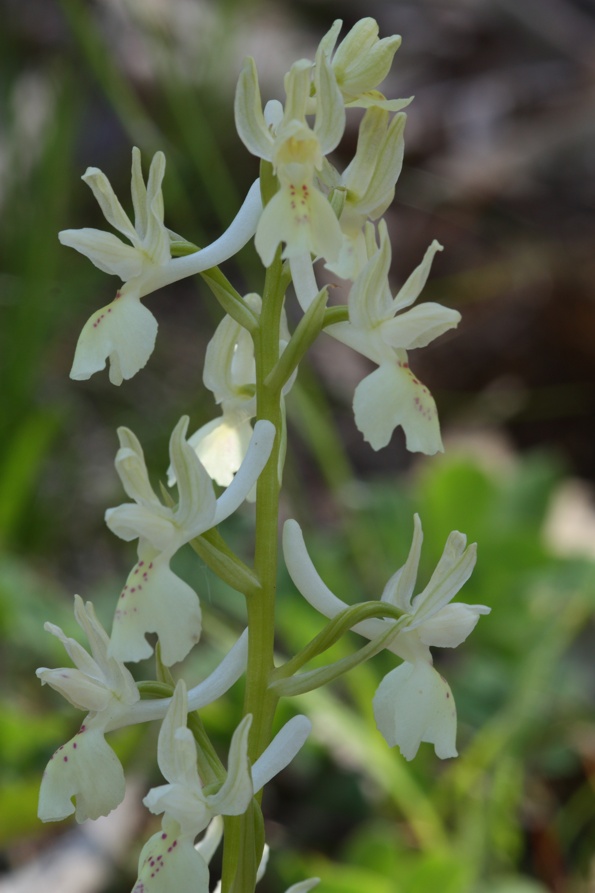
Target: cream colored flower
413	703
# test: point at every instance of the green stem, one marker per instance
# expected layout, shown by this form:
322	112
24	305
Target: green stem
240	860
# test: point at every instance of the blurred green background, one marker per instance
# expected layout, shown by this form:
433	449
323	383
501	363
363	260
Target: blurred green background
500	167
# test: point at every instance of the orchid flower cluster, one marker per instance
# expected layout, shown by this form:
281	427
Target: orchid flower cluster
309	221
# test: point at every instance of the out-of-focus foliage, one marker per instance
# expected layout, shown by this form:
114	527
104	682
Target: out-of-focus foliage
500	168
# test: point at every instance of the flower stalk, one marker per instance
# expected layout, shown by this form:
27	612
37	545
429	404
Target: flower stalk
301	213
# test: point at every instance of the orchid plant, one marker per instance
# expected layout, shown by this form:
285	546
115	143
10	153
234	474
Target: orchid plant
310	222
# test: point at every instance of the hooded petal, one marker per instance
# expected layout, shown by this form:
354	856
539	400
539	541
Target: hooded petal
257	456
236	792
392	396
132	469
221	446
87	769
413	704
123	332
173	758
196	506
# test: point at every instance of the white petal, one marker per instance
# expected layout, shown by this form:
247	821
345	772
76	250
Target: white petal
80	690
304	280
257	457
392	396
250	122
451	625
370	299
132	469
87	769
106	251
156	241
170	756
139	194
452	572
304	886
410	291
281	751
420	325
109	203
123	331
154	599
130	521
196	500
399	589
414	704
81	658
330	109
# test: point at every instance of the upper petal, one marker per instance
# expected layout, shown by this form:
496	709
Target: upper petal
399	589
452	572
330	110
250	122
108	201
411	289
